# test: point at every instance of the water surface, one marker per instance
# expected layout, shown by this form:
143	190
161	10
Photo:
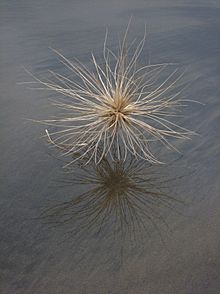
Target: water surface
39	254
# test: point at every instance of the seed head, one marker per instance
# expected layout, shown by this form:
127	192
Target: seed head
118	103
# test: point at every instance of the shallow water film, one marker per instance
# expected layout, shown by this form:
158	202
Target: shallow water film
120	226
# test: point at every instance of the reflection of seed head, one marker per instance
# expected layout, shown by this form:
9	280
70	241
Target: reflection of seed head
127	198
117	103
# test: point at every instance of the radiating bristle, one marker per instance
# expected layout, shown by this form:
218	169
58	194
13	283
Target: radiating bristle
116	103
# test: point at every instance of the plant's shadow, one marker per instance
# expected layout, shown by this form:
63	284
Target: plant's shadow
123	199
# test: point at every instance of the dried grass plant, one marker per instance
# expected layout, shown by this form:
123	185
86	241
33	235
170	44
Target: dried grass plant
117	103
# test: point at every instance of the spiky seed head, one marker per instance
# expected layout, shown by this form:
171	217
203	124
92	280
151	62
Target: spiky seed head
117	104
